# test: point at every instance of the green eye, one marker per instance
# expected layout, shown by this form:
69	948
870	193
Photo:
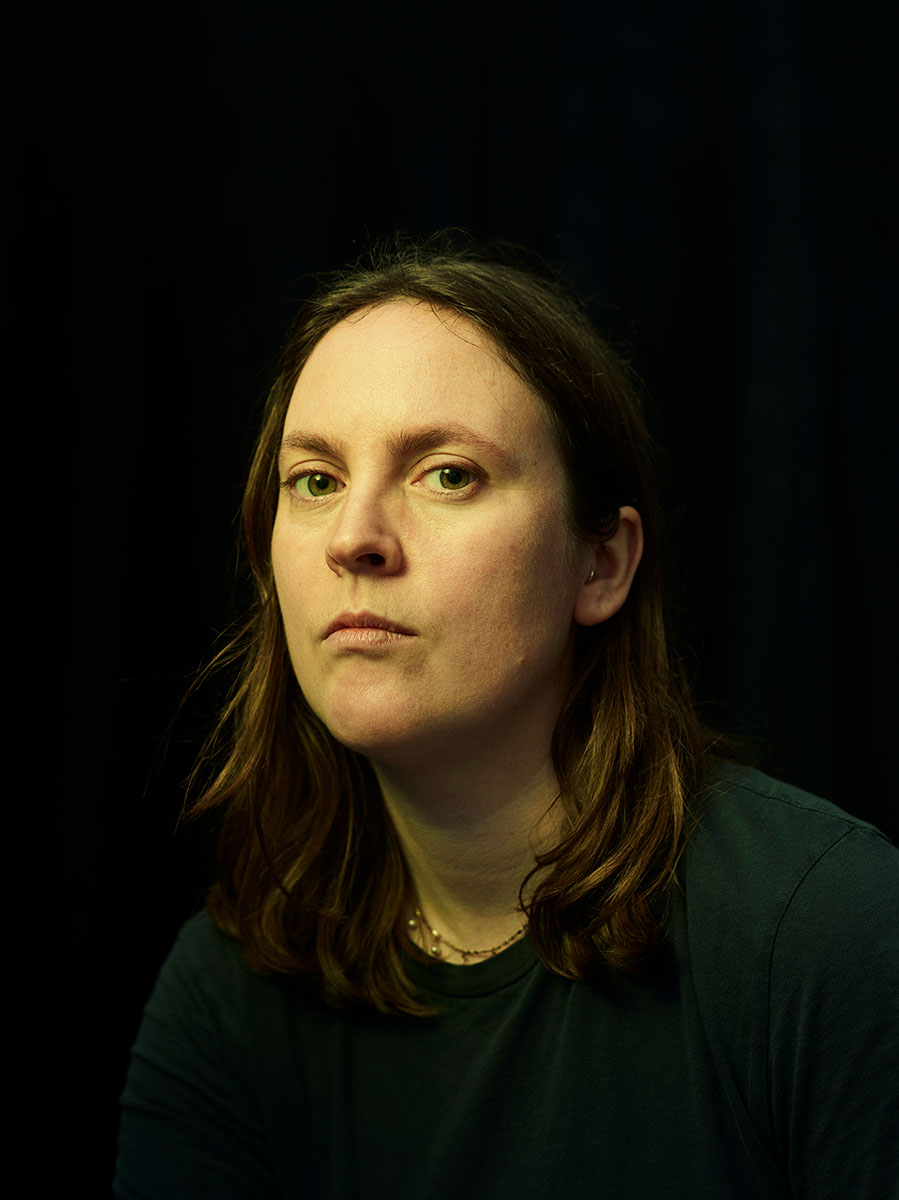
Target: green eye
318	484
452	479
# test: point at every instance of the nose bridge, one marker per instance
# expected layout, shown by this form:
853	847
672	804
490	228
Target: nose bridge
364	535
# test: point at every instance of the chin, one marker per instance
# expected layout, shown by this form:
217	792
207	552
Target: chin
408	742
375	729
399	749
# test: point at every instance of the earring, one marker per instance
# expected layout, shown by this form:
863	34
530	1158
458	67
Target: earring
591	576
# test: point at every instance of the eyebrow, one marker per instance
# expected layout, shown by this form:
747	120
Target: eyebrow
399	445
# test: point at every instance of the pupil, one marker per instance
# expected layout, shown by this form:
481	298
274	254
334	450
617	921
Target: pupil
453	477
319	483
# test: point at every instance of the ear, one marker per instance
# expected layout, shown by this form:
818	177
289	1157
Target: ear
611	571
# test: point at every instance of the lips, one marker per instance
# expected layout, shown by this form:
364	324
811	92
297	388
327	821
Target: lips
366	620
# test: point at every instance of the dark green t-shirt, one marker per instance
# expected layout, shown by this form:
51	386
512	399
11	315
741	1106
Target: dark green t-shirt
760	1059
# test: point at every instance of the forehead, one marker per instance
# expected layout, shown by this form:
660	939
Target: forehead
406	362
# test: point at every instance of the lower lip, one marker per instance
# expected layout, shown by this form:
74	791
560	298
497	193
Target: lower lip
366	636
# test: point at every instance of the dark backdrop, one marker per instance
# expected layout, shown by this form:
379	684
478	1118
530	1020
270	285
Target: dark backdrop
716	176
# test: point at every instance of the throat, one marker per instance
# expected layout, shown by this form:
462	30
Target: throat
468	852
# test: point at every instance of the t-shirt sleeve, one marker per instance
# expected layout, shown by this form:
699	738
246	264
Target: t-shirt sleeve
834	1024
189	1124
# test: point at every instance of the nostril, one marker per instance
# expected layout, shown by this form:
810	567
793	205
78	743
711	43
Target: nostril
362	556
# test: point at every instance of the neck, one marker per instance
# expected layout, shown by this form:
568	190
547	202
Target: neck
470	838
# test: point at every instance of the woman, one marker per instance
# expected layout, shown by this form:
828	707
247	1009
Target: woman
490	917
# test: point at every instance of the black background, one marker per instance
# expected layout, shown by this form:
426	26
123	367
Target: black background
716	176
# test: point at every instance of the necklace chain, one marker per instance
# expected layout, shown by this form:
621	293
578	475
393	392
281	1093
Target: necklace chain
419	921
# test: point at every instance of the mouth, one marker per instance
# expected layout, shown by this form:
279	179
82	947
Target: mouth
362	622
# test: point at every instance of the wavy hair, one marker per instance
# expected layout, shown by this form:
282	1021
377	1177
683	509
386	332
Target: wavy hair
311	878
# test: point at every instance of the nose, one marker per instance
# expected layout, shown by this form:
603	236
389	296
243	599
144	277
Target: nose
364	539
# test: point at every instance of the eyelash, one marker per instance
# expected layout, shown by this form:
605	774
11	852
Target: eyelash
477	476
291	481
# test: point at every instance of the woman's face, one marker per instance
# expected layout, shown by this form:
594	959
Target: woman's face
424	569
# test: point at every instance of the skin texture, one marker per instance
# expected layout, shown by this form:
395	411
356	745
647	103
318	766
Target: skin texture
421	488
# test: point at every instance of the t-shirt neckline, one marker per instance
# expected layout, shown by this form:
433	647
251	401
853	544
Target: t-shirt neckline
474	979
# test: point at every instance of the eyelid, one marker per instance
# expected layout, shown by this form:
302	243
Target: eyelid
478	474
304	472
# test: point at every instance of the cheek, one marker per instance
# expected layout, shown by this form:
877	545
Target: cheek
293	560
280	559
294	595
517	598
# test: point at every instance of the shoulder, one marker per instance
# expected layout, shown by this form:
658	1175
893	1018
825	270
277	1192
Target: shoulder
749	798
789	906
787	933
208	991
193	1101
199	996
758	839
204	954
209	1018
201	943
784	890
207	994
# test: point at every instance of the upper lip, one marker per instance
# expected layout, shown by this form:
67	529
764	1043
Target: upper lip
365	620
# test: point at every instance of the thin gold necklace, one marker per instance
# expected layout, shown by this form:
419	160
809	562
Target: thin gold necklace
419	921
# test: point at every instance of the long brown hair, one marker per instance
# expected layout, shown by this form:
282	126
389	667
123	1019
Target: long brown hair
311	877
